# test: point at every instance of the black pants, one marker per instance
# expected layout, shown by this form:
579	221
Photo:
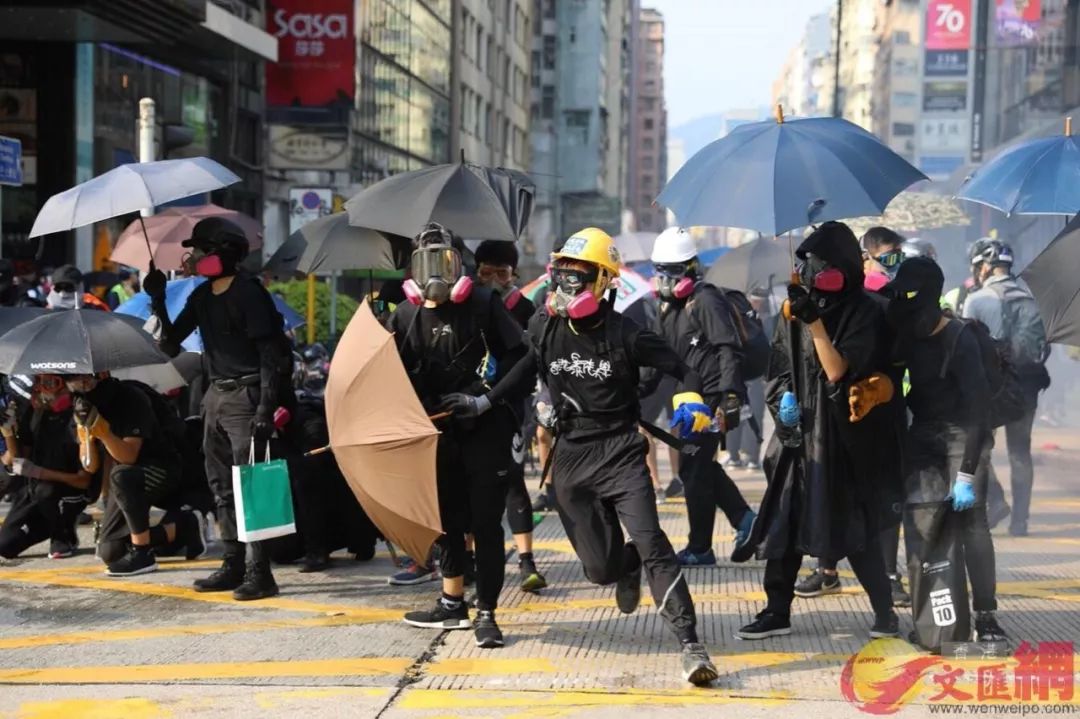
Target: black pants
600	482
890	546
1021	469
518	504
473	468
708	486
133	490
40	510
743	437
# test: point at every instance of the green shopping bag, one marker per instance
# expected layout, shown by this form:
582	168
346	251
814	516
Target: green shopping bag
263	496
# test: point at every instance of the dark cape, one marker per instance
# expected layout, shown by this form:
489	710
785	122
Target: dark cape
827	497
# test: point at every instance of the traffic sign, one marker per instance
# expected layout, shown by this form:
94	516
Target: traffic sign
10	161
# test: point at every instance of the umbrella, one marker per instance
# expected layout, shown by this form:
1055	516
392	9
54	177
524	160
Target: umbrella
76	342
1052	279
12	317
1037	177
168	229
629	288
752	264
635	246
914	212
764	176
162	378
381	436
176	296
515	191
455	195
331	244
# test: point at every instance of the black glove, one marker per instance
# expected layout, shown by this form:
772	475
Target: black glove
154	284
802	307
85	412
464	405
262	424
729	410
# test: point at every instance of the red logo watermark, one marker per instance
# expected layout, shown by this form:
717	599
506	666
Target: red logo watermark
887	675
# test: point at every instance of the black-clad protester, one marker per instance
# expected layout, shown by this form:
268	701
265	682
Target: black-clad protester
51	487
14	294
821	498
145	472
589	357
249	365
950	438
448	332
696	319
496	268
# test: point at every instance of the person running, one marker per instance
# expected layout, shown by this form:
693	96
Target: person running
950	437
496	268
448	333
1008	309
822	499
589	357
696	319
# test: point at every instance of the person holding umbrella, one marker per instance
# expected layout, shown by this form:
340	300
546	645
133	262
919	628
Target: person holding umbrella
697	320
249	361
588	355
455	341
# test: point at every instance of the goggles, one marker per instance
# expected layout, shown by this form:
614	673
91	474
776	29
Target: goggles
891	259
672	269
439	261
495	273
572	281
49	384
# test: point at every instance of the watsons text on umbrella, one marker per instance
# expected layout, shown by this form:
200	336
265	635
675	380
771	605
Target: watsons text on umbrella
52	365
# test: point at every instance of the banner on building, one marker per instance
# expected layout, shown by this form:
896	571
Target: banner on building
1018	21
945	96
944	135
308	148
946	63
316	53
307	204
948	24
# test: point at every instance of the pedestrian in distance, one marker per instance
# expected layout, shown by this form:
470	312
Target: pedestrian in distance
126	288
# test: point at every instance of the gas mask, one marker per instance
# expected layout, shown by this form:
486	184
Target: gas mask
675	281
62	300
571	296
500	278
436	276
213	262
49	392
819	276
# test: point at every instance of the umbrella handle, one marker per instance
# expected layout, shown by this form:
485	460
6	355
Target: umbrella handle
146	236
320	450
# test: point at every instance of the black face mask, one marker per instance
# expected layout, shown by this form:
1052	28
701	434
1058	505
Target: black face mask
913	319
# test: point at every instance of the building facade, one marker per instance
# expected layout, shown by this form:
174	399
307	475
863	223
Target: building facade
895	112
858	59
650	124
805	86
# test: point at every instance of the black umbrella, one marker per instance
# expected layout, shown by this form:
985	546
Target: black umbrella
758	263
84	341
515	190
1052	279
331	244
12	317
459	196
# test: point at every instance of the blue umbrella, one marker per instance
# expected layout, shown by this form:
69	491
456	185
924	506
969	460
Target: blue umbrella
1040	177
776	176
176	296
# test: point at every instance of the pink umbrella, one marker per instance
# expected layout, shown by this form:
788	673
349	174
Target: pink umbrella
167	229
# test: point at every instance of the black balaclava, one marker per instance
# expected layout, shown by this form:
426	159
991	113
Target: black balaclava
914	309
831	246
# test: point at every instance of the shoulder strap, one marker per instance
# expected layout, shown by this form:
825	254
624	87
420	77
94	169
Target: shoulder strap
956	328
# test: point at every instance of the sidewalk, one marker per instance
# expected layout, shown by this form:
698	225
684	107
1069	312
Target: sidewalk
75	643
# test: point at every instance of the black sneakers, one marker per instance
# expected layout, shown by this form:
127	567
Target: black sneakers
900	597
442	617
138	560
258	583
818	584
226	578
314	562
988	630
628	588
487	632
531	578
697	667
765	625
887	626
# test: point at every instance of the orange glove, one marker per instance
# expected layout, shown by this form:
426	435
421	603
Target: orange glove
98	426
866	394
88	449
785	310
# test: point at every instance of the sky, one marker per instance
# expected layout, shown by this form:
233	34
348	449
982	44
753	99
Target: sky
724	54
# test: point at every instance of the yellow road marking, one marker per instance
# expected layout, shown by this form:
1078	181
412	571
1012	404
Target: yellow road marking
464	666
485	699
140	673
93	709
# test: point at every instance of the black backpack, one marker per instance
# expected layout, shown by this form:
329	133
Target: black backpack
1007	403
755	344
172	426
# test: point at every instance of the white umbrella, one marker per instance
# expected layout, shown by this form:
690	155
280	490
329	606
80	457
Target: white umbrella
130	188
635	246
162	377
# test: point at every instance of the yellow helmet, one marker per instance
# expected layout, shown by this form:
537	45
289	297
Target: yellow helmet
594	246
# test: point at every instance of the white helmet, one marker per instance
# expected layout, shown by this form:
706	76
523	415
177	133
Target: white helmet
674	245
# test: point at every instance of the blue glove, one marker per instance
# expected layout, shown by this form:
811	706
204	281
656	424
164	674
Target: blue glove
692	416
963	492
789	413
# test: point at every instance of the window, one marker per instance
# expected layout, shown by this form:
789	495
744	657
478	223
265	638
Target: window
506	71
549	52
465	105
487	123
535	68
648	124
904	99
901	37
648	144
491	65
547	102
479	46
903	129
477	116
647	163
465	32
646	198
549	9
506	137
577	126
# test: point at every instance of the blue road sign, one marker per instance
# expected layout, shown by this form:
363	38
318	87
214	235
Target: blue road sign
10	161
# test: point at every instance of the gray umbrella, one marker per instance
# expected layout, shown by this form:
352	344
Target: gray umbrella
331	244
83	341
456	196
759	263
1052	279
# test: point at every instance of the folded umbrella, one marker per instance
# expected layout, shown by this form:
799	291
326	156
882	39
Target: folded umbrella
454	195
381	436
515	191
759	263
76	342
1052	279
764	176
331	244
167	229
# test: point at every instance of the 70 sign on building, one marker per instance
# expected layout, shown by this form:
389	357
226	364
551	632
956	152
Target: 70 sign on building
948	24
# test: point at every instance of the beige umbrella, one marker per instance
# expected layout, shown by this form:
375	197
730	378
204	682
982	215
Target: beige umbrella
381	436
913	212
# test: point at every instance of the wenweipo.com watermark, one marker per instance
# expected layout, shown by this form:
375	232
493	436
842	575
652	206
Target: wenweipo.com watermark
970	679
